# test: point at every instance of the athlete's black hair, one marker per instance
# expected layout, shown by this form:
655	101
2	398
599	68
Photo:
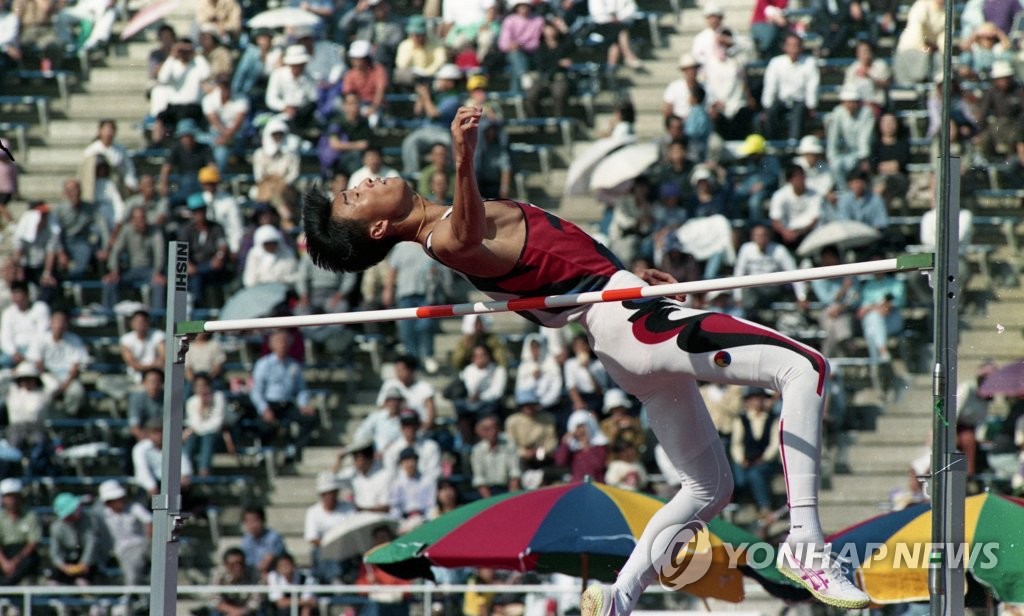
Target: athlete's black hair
339	244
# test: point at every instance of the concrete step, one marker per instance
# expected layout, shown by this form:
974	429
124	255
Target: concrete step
102	105
838	516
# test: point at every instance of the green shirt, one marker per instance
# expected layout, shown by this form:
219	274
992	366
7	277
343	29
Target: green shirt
19	531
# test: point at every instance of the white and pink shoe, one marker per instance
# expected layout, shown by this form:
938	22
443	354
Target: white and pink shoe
597	600
821	573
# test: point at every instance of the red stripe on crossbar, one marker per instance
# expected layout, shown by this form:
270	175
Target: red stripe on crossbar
527	303
618	295
434	312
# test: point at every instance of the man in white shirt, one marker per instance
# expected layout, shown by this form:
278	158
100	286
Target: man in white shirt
763	256
226	112
850	128
418	394
790	90
795	208
725	83
321	517
142	347
60	356
677	94
706	44
369	482
147	459
221	207
428	451
290	90
382	427
179	88
373	167
129	525
810	155
21	324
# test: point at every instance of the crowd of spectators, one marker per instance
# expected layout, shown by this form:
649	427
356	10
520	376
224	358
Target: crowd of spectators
750	164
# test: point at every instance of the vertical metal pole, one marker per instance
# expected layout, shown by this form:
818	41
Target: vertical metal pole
167	518
946	579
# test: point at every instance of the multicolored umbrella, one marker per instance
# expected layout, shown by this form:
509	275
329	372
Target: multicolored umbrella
889	553
1006	381
583	529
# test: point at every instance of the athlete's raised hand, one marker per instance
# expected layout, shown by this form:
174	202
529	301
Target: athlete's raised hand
464	132
655	277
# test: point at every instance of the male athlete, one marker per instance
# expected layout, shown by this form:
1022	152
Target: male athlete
656	349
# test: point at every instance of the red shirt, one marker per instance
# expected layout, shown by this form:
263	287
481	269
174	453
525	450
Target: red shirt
366	84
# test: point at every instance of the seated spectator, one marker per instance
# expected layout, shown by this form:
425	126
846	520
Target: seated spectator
810	155
419	55
706	42
890	155
585	376
538	373
144	251
146	404
321	517
8	181
270	260
276	164
462	22
987	45
21	324
179	89
795	208
28	407
186	158
320	290
676	97
291	92
37	249
234	572
754	189
95	20
860	203
212	48
551	61
882	299
475	331
205	413
373	167
347	137
755	449
494	460
129	527
768	25
584	449
728	95
147	460
60	356
625	470
283	573
619	421
100	188
672	181
868	76
370	482
252	73
418	393
761	255
121	165
20	535
448	500
222	16
412	493
86	233
226	111
612	20
839	296
205	355
281	399
77	542
437	109
142	348
790	91
261	545
485	383
208	253
999	113
839	22
373	21
35	20
519	40
167	41
222	207
382	427
156	205
440	162
427	450
389	603
532	431
698	127
408	283
919	46
493	160
850	127
367	80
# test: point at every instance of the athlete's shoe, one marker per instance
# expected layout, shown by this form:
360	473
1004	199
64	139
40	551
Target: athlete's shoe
822	575
597	600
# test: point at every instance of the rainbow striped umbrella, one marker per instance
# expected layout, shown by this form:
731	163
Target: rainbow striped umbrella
582	529
889	553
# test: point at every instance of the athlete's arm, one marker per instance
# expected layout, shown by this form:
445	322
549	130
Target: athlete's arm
655	277
468	220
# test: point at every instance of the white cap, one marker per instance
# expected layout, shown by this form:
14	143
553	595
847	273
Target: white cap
11	485
615	398
359	49
295	54
26	370
688	61
326	482
111	489
701	173
810	144
848	93
266	233
1000	69
449	71
713	8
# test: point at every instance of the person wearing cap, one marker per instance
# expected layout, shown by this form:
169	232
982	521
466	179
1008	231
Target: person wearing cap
147	460
850	128
706	43
418	393
373	167
222	207
532	431
371	20
37	249
519	39
225	16
752	191
77	542
323	515
226	112
369	481
348	134
810	154
494	459
281	398
382	427
999	113
584	448
367	79
271	260
754	448
676	98
762	255
60	356
427	450
20	534
437	108
418	55
291	91
209	257
186	158
28	405
619	419
129	526
790	90
795	208
412	493
260	543
142	347
21	323
986	45
144	251
179	88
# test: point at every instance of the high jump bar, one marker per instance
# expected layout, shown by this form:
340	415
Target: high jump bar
902	263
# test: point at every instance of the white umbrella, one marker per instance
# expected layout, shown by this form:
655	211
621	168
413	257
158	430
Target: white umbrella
623	165
147	16
577	178
284	18
354	535
840	233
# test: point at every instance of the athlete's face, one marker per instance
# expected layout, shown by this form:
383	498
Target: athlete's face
374	200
